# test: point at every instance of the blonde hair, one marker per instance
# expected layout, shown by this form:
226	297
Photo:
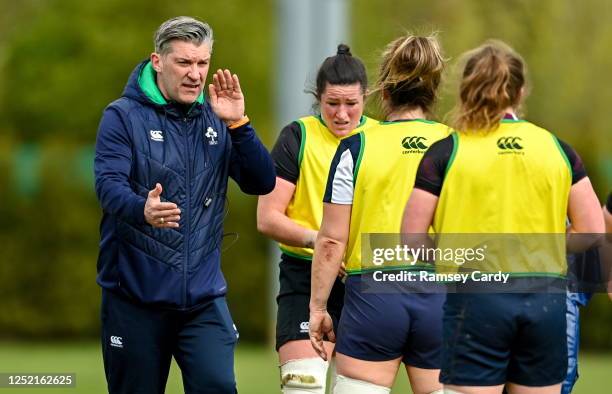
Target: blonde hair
410	73
492	80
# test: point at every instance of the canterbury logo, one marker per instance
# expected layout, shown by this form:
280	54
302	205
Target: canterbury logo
156	135
116	341
509	143
414	142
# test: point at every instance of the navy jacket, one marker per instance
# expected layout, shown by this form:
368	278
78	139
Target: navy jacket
143	140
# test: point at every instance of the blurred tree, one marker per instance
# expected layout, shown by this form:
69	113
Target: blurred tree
76	58
49	248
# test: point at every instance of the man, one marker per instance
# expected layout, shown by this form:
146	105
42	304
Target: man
163	157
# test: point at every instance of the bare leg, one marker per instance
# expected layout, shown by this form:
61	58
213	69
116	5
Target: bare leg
381	373
473	389
302	370
514	388
423	381
295	350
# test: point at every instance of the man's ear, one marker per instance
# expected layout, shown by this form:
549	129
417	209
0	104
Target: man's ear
156	61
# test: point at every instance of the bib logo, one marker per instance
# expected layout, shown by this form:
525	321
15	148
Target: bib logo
510	145
414	144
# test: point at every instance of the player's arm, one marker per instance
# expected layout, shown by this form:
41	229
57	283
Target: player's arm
328	253
333	237
421	205
418	216
583	208
586	221
272	219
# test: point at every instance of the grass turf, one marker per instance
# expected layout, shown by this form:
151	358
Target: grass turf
256	369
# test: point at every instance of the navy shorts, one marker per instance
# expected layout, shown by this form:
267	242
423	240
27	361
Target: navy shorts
293	301
490	339
385	326
138	343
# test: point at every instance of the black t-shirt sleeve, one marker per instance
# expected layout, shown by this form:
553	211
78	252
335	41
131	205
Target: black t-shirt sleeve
286	152
432	168
609	203
578	170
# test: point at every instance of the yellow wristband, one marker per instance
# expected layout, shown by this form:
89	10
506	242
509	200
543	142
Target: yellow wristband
234	125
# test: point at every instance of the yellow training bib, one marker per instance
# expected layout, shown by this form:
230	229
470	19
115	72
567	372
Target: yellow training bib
317	149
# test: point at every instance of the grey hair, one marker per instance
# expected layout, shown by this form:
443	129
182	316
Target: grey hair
182	28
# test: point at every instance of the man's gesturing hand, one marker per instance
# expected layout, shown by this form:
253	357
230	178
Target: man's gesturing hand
161	214
320	326
226	98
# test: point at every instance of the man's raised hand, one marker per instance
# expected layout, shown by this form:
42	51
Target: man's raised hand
226	98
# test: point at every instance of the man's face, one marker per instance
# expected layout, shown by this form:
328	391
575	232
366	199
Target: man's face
181	73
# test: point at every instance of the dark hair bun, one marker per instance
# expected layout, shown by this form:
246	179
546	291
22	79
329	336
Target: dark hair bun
341	69
344	49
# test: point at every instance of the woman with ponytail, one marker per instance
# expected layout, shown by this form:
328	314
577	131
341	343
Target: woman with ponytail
501	175
370	179
291	214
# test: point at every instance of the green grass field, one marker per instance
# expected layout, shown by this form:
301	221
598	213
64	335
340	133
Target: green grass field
256	369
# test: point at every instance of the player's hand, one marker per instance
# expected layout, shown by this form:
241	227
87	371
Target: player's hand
226	98
310	238
320	326
161	214
342	271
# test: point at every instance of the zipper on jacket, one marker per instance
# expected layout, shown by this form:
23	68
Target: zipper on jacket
188	209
